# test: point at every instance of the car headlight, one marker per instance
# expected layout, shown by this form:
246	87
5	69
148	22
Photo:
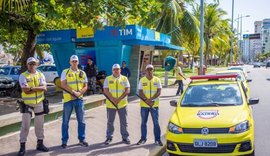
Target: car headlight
239	128
174	128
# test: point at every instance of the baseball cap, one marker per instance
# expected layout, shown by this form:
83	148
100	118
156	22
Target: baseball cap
149	66
180	63
74	57
31	59
116	66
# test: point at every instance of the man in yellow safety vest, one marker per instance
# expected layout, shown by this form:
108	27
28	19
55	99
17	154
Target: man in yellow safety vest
116	88
74	84
149	91
33	85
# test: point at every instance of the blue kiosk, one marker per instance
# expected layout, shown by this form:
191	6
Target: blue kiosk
133	44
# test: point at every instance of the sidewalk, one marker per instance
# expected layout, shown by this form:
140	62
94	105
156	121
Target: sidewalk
95	133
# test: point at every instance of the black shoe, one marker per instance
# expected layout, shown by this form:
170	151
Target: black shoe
83	143
141	141
108	141
22	150
158	143
64	146
41	146
126	141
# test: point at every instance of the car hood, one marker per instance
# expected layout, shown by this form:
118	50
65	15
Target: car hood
4	78
190	117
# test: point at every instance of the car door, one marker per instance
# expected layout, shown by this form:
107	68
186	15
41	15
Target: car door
52	73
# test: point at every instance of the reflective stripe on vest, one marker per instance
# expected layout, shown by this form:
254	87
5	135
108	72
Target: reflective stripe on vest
33	80
117	88
74	81
149	88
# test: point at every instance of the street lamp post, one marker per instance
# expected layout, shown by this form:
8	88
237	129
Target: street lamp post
201	36
240	35
231	52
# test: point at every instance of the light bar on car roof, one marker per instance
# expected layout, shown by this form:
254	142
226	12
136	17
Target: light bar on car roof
213	77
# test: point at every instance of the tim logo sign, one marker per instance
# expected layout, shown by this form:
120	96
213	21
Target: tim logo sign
207	114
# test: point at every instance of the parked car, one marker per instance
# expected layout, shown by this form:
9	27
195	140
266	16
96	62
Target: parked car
212	117
256	65
267	64
49	72
239	68
9	76
12	71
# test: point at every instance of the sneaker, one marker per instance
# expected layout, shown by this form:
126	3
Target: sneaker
108	141
64	146
158	143
141	141
83	143
126	141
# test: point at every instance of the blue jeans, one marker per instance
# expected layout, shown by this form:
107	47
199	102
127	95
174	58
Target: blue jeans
144	116
180	87
79	109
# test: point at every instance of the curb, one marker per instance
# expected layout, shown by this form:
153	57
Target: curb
158	151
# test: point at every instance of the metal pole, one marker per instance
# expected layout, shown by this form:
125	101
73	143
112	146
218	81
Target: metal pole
231	52
201	36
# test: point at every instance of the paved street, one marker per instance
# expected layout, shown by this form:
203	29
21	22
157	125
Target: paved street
96	127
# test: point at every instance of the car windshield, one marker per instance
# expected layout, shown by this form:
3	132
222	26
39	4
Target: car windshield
4	70
235	68
212	95
240	75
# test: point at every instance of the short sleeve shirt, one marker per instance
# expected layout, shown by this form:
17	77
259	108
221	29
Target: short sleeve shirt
105	85
63	75
23	81
158	85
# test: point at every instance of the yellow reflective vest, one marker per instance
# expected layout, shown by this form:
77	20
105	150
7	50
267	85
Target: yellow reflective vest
33	80
150	88
178	77
75	80
117	87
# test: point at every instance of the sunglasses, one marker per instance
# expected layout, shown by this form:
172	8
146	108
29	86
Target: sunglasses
74	61
116	69
32	64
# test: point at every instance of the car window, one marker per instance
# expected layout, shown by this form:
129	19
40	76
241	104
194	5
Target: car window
212	95
4	70
51	68
15	71
40	68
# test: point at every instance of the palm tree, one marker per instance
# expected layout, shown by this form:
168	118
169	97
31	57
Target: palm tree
215	25
173	18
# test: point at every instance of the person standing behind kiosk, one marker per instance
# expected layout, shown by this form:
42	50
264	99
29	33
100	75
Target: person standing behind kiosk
74	83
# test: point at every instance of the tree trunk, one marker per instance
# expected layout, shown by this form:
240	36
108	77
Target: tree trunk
29	49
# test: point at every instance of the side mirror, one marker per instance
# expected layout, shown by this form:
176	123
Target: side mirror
253	101
173	103
249	80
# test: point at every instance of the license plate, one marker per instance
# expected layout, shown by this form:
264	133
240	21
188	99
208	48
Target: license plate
205	143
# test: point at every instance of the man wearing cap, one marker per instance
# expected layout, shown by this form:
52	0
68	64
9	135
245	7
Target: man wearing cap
74	84
124	70
116	88
179	78
91	72
149	91
33	85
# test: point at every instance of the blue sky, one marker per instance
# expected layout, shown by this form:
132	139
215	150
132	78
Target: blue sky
257	9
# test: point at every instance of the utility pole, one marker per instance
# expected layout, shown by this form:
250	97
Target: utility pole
201	36
231	52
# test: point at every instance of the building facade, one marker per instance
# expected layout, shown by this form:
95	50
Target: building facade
265	35
257	27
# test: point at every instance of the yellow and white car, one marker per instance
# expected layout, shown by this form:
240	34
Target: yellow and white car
212	117
241	76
